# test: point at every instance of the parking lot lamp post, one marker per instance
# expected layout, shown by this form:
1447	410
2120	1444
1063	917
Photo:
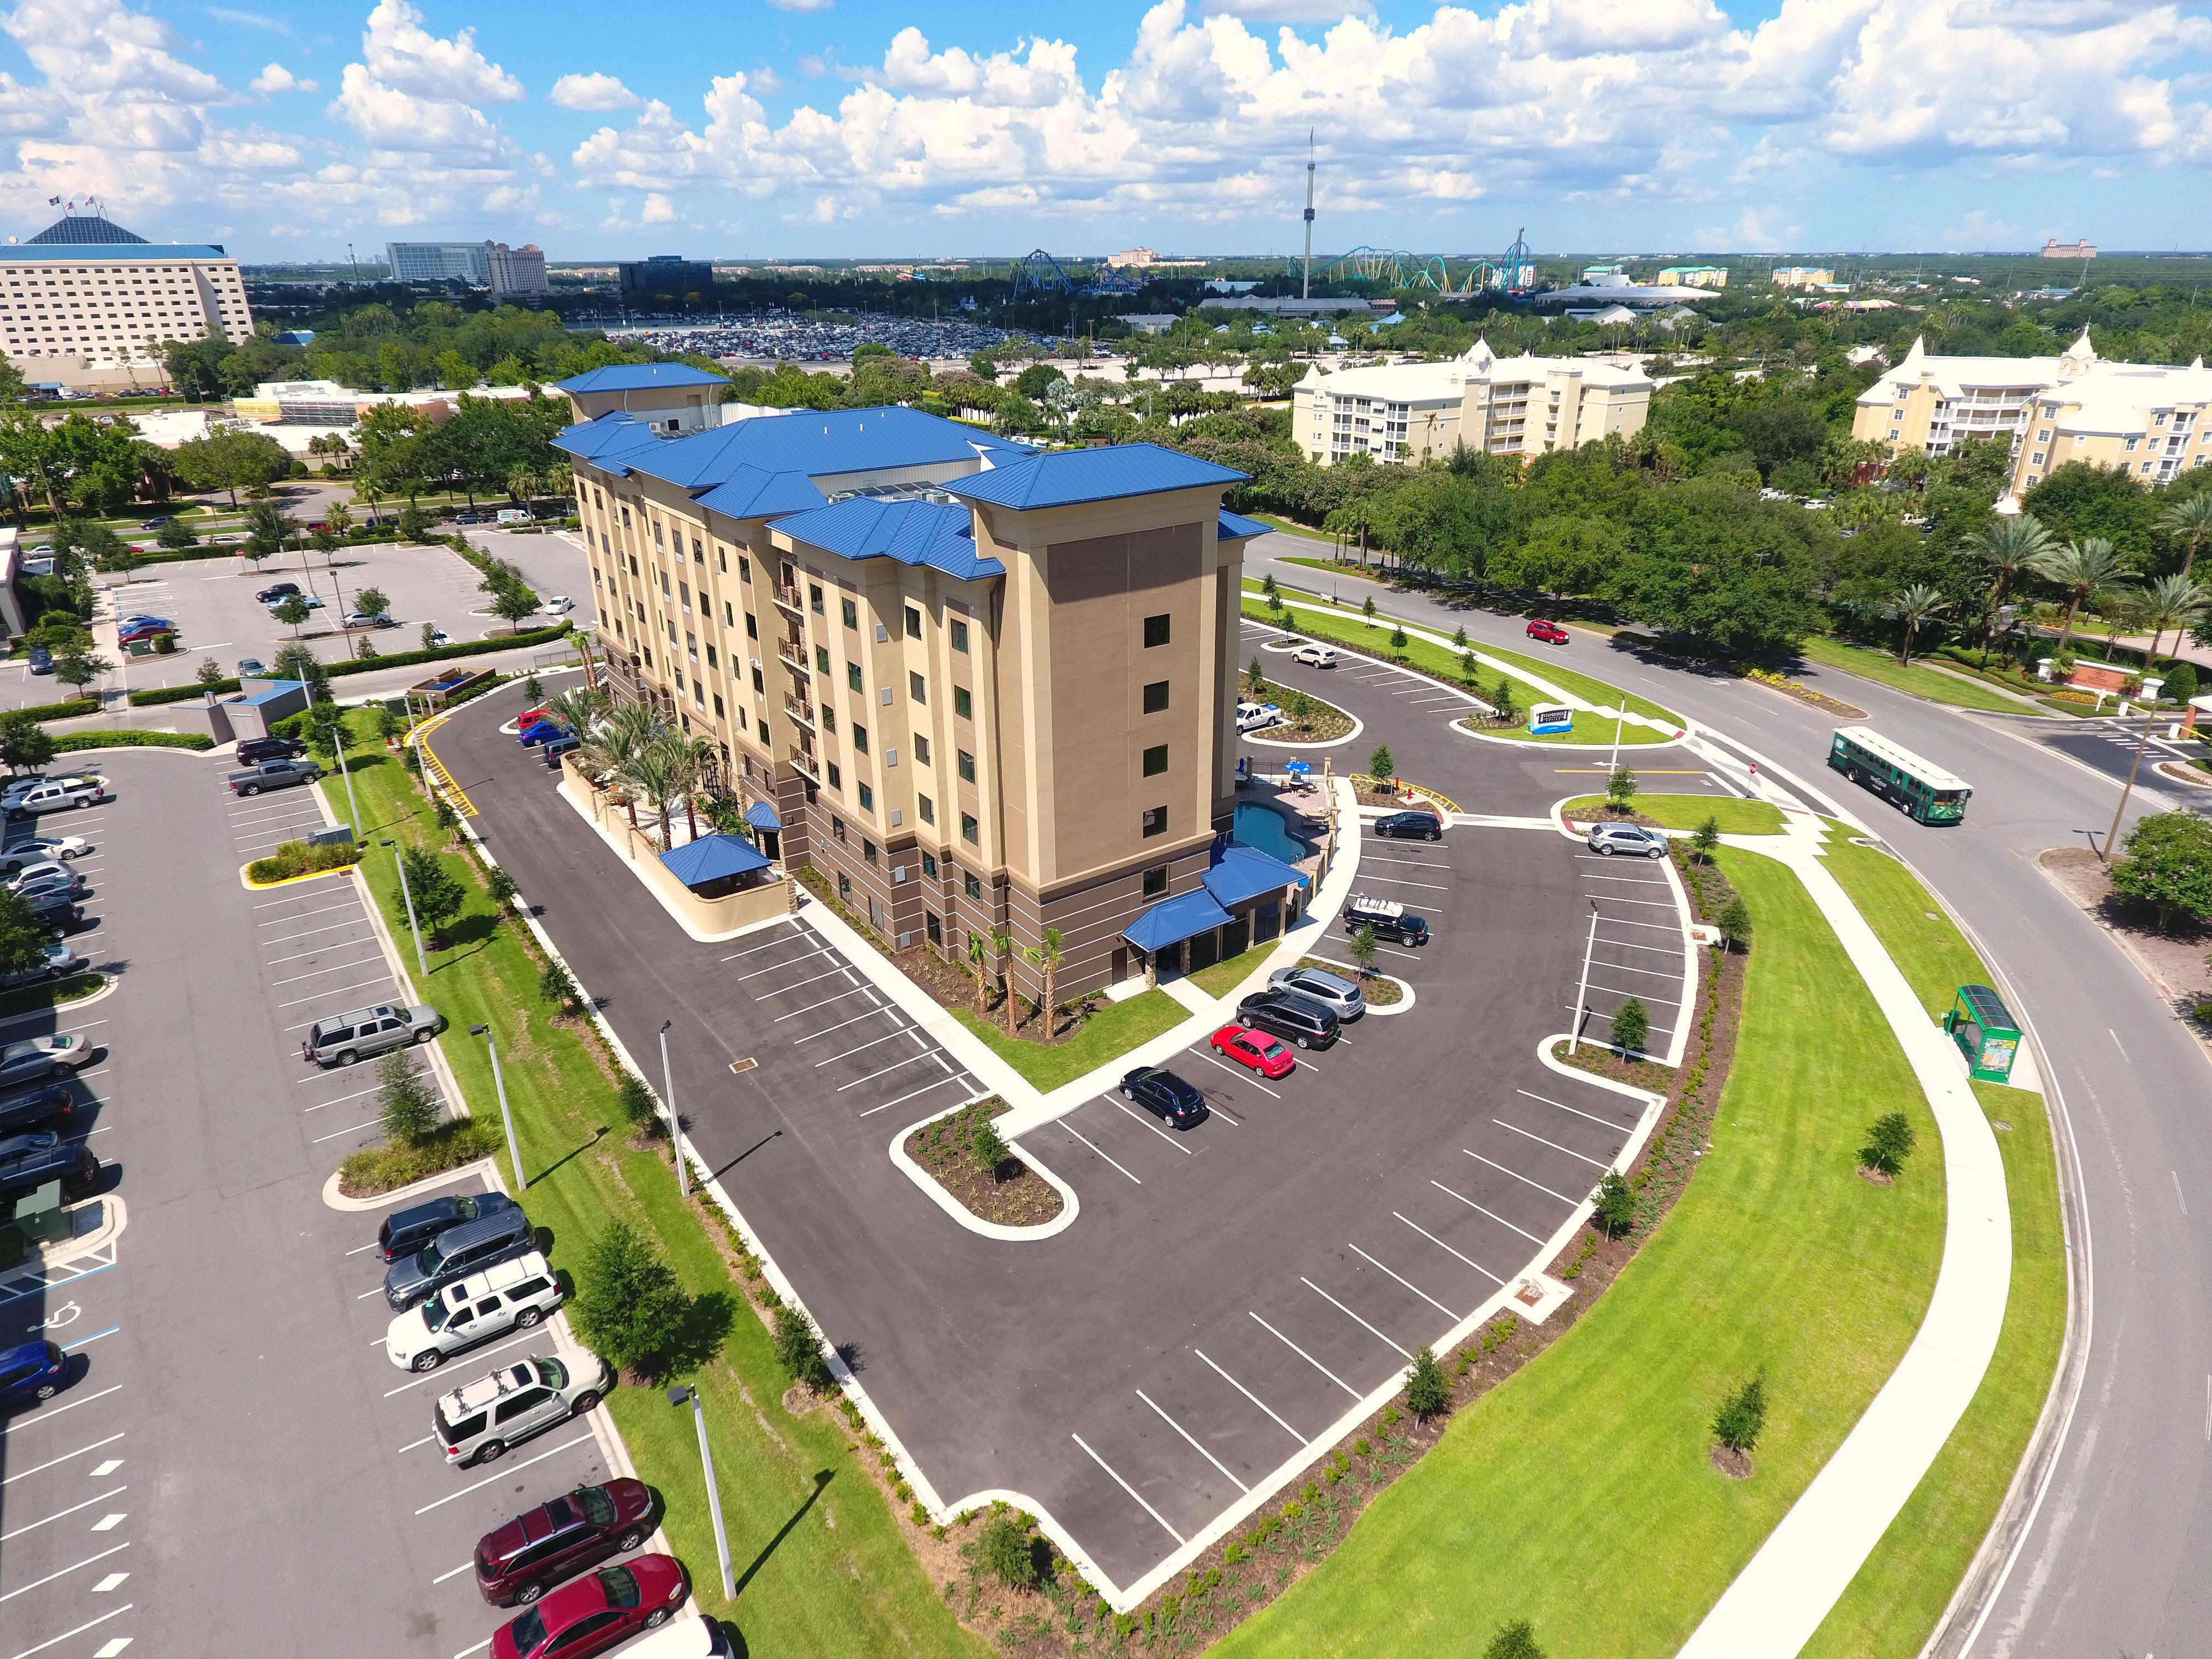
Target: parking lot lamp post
345	770
677	1396
2150	713
408	899
499	1082
675	1123
1619	719
1582	996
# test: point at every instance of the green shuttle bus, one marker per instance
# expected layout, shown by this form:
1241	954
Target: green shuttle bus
1914	785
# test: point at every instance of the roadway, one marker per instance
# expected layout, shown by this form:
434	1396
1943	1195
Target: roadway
2112	1558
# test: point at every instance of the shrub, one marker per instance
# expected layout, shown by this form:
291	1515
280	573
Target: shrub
297	858
2168	865
1708	837
407	1105
1734	922
1889	1143
556	988
991	1151
1631	1024
500	885
331	670
1427	1389
1007	1551
1501	698
629	1306
1620	787
76	742
1516	1640
632	1098
798	1348
398	1164
1616	1205
1737	1425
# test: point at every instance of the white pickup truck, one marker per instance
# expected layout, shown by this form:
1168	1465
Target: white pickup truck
27	797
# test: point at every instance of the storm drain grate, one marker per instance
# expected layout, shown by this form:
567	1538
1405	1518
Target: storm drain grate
744	1065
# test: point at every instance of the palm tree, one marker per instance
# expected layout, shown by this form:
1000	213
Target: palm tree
1048	955
2171	602
577	708
2190	518
977	960
654	772
2007	547
1914	605
608	753
1002	948
2081	570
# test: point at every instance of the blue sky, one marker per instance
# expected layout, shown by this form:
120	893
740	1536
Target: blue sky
848	127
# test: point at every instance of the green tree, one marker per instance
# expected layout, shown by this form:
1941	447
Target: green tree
1362	950
1742	1416
372	602
1735	921
407	1105
437	896
231	460
798	1348
79	668
1502	698
513	603
557	989
298	661
1398	636
1007	1550
1707	838
1914	605
1428	1390
2167	864
1381	766
292	609
2006	548
25	744
1367	610
1621	786
1514	1640
633	1099
2171	602
1616	1205
23	937
628	1306
1257	673
1631	1024
176	536
1889	1142
2083	571
990	1149
2189	520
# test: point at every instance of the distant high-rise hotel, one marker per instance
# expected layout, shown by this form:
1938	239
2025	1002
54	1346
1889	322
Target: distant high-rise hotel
517	273
439	261
86	288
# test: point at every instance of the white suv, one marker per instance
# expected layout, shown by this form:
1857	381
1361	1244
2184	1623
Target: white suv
505	1295
1633	839
481	1419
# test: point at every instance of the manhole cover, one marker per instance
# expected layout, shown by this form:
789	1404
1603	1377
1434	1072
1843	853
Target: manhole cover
744	1065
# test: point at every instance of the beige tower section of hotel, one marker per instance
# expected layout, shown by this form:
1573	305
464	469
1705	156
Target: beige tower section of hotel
1525	405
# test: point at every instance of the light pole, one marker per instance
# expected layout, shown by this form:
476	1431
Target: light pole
675	1123
499	1082
1619	719
2150	714
1581	994
344	769
406	898
677	1396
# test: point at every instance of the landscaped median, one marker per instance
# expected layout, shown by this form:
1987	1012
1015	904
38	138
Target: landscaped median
1734	816
823	1567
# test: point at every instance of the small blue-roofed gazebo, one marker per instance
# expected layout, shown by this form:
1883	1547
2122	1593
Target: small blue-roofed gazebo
715	867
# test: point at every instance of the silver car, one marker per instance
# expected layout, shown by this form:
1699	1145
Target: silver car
1340	995
477	1422
1630	839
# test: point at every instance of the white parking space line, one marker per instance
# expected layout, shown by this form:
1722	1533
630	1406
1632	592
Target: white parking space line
1655	1025
303	956
1129	1489
102	1556
776	944
1410	864
924	1054
857	990
1303	1355
1553	1144
1408	1283
1241	1075
356	1250
1645	996
1400	881
1492	1214
1187	1435
374	1122
1348	1314
1518	1176
802	957
950	1076
840	1026
1254	1398
267	821
1441	1245
1644	904
1578	1111
334	991
1154	1128
872	1043
341	1101
63	1458
54	1640
1650	973
1410	956
769	996
1630	921
453	1573
33	1526
566	1445
1087	1141
295	978
86	1342
1674	950
479	1648
531	1335
329	927
320	910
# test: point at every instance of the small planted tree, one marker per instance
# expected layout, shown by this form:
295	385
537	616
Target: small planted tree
1742	1417
630	1307
557	989
209	675
437	897
1502	698
1734	922
1459	637
25	744
407	1105
292	611
1398	639
1257	673
1382	765
633	1099
1274	595
1706	838
1620	787
372	602
990	1149
81	668
1514	1640
1007	1551
1367	610
799	1347
1468	667
1631	1024
2167	865
500	886
1428	1390
1362	950
1616	1205
1889	1143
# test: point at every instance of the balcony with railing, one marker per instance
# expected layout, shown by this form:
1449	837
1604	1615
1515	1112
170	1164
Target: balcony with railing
793	653
806	762
799	711
789	598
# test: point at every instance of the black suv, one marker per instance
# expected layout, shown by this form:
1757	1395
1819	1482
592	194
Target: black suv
405	1231
1295	1018
1165	1095
1389	919
55	910
1410	826
254	751
455	1254
50	1108
28	1162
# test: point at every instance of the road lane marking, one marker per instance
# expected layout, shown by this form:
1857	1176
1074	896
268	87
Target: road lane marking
1129	1489
53	1640
1441	1245
1347	1313
1303	1355
55	1411
1263	1405
1408	1283
1187	1435
32	1526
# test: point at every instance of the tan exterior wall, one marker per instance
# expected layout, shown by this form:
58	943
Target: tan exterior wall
689	406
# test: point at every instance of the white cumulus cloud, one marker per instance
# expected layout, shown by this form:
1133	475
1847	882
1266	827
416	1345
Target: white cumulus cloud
591	92
276	78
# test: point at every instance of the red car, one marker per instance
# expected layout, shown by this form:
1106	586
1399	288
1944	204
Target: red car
1270	1056
1549	632
518	1562
594	1613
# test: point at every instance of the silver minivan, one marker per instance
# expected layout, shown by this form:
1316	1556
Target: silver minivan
506	1296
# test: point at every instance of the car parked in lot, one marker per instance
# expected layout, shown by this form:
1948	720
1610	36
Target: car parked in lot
1633	839
1410	826
556	747
31	1372
39	849
455	1254
559	606
256	751
544	731
1269	1055
57	912
143	618
37	880
517	1293
276	591
28	797
33	1059
307	599
1314	656
1308	1024
405	1231
249	666
30	1159
58	962
1340	996
1165	1095
52	1107
1257	716
519	1561
479	1420
273	774
41	660
140	633
1549	632
365	1033
1388	918
354	619
595	1613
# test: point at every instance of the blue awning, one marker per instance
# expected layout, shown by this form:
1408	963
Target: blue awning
1245	872
1235	527
761	815
1172	921
713	858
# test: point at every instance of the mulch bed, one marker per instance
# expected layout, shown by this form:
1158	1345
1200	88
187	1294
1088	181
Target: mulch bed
1379	989
1323	721
1013	1195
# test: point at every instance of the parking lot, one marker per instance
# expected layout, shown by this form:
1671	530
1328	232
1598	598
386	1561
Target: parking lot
1228	1292
233	1433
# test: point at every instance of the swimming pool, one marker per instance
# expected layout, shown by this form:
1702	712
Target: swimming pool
1263	828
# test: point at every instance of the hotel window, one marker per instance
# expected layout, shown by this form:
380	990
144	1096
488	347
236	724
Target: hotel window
753	622
844	885
836	827
822	659
913	623
970	832
967	767
1156	820
930	926
962	704
860	740
1155	631
697	557
928	808
745	568
916	687
837	778
711	660
852	674
867	851
1156	881
683	594
929	866
814	597
1156	760
850	612
920	749
1156	698
971	886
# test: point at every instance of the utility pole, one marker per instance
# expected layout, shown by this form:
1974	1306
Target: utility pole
1306	282
2150	714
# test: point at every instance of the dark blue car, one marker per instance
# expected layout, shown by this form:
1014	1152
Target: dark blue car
1167	1097
33	1372
542	731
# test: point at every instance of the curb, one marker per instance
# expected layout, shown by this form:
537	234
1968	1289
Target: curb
486	1167
115	1218
114	984
1069	1209
253	886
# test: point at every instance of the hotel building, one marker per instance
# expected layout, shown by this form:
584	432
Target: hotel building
86	288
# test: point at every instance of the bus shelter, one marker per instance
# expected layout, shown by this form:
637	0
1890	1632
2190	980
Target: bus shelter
1984	1031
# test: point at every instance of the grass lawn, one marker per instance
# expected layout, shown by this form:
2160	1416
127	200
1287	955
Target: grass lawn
1291	528
1224	977
1882	667
1736	817
1913	927
821	1566
51	994
1579	1494
1350	627
1115	1030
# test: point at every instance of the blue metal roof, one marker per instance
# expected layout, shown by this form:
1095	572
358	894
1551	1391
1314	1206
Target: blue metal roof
935	533
640	377
761	815
712	858
1235	527
749	493
272	690
115	253
1245	872
1065	478
1172	921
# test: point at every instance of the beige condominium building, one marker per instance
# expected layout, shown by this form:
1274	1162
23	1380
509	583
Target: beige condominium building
1525	405
977	686
86	289
2144	419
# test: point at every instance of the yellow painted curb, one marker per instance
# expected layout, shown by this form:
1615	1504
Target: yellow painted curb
253	886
